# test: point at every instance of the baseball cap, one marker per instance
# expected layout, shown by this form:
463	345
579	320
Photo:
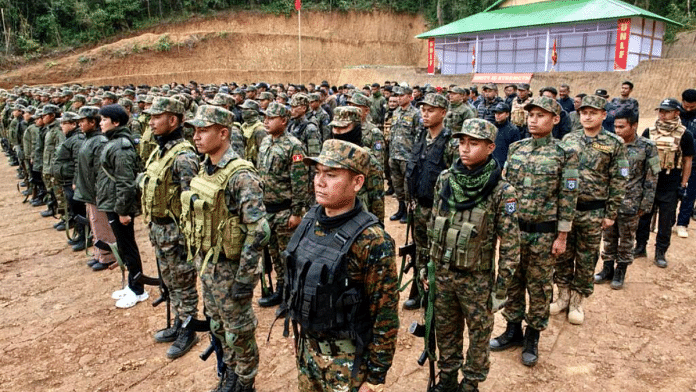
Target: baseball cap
250	104
501	107
340	154
87	112
346	115
545	103
165	104
276	109
360	99
68	117
593	101
478	128
490	86
209	114
523	86
669	104
434	100
601	93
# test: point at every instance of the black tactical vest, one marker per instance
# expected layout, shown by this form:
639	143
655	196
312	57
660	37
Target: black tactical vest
426	164
320	296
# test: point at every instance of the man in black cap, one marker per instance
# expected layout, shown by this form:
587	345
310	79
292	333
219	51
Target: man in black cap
688	119
675	147
508	132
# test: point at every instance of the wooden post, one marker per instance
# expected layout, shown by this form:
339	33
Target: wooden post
299	38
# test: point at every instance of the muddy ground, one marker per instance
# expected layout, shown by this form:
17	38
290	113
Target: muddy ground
60	330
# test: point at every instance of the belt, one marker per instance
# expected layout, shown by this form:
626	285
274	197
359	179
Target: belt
591	205
332	347
540	227
272	208
162	221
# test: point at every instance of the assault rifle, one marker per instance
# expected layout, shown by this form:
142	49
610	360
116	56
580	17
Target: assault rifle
427	330
407	252
266	288
215	345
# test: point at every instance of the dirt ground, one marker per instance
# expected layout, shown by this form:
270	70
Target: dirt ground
60	330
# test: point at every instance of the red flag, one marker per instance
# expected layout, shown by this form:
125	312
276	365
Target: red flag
473	57
554	54
298	4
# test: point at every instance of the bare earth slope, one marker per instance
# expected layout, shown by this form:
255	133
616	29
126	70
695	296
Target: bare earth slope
61	332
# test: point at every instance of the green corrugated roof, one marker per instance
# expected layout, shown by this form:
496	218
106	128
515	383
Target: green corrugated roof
542	14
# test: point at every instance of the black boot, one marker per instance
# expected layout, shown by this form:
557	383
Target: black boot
414	300
640	251
167	335
60	226
606	274
446	383
400	213
184	341
512	336
49	212
530	354
239	387
660	259
228	381
274	299
468	386
619	276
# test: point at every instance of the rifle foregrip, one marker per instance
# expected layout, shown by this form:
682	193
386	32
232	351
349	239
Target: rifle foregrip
207	352
423	357
159	301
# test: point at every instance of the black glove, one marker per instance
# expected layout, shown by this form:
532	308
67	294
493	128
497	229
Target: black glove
681	192
242	290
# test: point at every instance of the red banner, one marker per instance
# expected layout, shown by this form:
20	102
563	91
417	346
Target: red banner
431	56
623	34
481	78
554	54
298	4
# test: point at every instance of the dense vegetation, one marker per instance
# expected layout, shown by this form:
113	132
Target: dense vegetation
30	26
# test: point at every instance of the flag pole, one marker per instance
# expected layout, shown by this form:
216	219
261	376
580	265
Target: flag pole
299	38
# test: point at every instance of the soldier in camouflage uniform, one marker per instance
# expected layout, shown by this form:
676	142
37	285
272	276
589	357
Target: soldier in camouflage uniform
342	349
545	174
285	177
372	137
459	109
603	172
392	104
54	136
253	130
147	141
224	223
347	126
473	207
405	124
133	124
226	101
318	115
307	132
28	140
644	164
168	173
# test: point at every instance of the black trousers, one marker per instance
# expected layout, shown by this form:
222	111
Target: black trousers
665	206
128	249
74	207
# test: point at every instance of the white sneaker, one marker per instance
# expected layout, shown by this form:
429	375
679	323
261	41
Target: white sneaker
118	294
681	232
131	299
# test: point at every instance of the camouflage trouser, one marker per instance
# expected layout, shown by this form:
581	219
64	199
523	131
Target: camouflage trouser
280	236
421	218
325	373
232	321
178	274
398	174
533	275
619	239
464	297
575	267
52	184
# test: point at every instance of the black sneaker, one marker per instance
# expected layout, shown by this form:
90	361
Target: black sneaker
183	343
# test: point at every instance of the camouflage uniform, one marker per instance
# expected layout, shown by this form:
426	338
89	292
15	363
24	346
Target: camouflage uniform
644	164
307	132
253	130
602	181
405	124
518	115
319	117
54	136
168	173
147	142
466	282
458	112
326	360
285	178
618	103
545	174
227	256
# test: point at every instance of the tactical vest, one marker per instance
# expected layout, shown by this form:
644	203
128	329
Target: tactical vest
425	166
518	115
319	294
206	223
461	240
160	198
251	150
668	147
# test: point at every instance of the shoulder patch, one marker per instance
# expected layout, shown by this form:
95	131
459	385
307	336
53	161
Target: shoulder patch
571	184
510	206
378	146
297	158
623	168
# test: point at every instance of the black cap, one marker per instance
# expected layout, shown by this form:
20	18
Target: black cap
669	104
501	107
375	85
601	93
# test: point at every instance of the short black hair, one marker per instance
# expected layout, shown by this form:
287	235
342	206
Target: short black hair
116	113
629	84
550	89
581	95
628	114
689	95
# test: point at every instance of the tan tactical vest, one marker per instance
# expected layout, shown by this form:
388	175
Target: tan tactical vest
461	241
251	150
206	223
161	197
668	147
518	115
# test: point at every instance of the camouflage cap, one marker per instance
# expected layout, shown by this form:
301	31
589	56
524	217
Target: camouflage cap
129	92
109	95
429	89
79	98
299	99
346	115
88	112
478	128
458	90
545	103
31	109
126	103
38	114
313	97
276	109
265	95
593	101
149	98
22	102
222	99
66	93
208	115
490	86
523	86
18	107
283	96
501	107
141	98
668	104
397	90
250	104
360	99
51	109
435	100
165	105
69	117
340	154
94	101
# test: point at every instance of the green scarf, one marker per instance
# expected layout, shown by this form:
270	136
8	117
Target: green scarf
467	188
